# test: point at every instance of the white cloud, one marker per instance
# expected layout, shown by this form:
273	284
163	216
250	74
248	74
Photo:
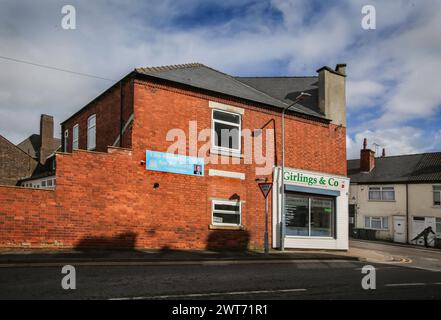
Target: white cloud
400	140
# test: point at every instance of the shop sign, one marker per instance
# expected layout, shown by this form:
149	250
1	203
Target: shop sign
314	180
174	163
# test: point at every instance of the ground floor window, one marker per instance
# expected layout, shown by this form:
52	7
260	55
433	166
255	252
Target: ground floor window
379	223
226	212
309	216
438	227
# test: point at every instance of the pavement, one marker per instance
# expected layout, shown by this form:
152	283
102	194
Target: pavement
400	273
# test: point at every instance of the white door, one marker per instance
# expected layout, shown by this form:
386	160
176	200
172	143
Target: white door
399	229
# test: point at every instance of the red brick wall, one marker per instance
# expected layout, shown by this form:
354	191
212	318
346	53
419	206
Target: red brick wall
107	109
109	199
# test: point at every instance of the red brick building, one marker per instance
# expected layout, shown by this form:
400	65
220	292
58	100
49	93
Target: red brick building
107	195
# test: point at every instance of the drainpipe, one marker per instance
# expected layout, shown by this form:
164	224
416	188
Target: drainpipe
121	105
407	213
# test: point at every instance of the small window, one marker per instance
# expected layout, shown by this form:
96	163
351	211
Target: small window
226	213
437	195
43	183
91	132
378	223
49	183
226	132
438	227
66	136
75	137
382	193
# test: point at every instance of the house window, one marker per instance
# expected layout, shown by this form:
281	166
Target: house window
382	193
75	137
226	133
66	135
438	227
437	195
226	213
378	223
43	183
91	132
309	216
49	183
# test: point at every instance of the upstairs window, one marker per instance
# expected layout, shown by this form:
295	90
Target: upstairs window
75	137
437	195
91	132
381	193
226	131
66	136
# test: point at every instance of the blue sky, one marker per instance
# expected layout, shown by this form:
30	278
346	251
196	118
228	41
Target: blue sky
392	87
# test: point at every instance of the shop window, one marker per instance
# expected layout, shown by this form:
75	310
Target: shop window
377	223
437	195
382	193
75	137
226	213
91	132
309	216
226	132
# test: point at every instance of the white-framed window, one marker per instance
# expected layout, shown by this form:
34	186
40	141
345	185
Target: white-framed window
226	131
382	193
438	227
66	136
75	133
378	223
437	195
226	213
49	183
91	132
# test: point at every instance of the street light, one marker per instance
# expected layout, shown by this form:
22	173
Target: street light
282	221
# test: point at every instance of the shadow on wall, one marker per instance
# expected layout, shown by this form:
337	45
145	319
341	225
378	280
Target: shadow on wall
124	241
228	240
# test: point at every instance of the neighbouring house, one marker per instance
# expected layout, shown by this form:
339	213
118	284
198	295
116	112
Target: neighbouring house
395	198
119	185
31	163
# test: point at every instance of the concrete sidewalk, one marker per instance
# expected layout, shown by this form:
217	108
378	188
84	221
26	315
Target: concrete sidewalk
10	258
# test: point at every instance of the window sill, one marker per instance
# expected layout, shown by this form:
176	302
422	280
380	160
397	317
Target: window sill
220	227
226	153
382	200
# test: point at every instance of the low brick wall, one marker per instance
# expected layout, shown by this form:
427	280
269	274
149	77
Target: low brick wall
107	200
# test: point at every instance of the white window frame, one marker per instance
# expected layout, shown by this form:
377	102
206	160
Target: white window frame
66	139
75	139
382	224
220	149
89	128
438	227
229	202
381	193
436	189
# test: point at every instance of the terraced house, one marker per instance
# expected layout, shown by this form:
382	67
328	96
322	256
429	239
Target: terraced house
119	185
396	198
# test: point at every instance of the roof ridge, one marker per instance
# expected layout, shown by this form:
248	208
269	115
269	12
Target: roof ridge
281	77
171	67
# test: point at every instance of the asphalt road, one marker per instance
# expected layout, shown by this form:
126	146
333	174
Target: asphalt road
285	280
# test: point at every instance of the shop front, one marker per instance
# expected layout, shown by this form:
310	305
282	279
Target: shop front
316	210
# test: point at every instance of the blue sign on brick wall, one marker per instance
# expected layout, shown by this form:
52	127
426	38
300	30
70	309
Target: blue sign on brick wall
174	163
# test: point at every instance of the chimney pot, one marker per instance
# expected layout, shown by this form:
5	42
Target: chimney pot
383	154
367	158
341	68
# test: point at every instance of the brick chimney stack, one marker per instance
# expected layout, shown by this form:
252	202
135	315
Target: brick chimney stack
367	158
46	137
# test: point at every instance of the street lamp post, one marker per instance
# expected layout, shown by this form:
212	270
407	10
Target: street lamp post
282	220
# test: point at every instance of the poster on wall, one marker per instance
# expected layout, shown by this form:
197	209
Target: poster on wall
174	163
